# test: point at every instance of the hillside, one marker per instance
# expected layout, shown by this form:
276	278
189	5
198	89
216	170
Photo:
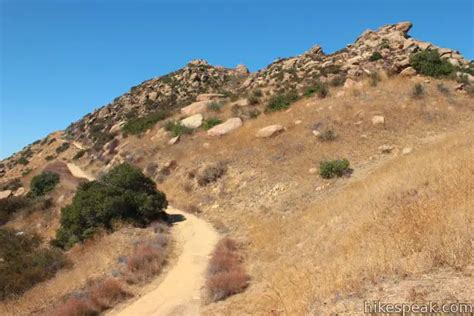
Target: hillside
243	151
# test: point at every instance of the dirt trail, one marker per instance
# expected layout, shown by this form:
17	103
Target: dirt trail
180	291
78	172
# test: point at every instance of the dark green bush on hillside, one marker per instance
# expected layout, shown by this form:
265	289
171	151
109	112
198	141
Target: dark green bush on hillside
429	63
281	101
43	183
210	123
334	168
375	56
139	125
319	88
24	263
123	194
62	147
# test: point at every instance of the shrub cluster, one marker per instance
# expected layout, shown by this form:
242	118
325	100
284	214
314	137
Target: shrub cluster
177	129
215	106
418	90
429	63
124	193
320	89
281	101
79	155
140	125
24	263
375	56
211	122
334	168
226	273
62	147
43	183
211	173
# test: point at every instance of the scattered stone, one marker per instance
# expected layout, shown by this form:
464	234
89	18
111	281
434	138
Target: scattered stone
5	194
316	133
20	191
313	170
298	122
269	131
386	149
226	127
407	150
408	72
378	120
206	145
173	140
194	121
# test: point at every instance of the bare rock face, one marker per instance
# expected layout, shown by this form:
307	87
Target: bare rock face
5	194
269	131
193	121
226	127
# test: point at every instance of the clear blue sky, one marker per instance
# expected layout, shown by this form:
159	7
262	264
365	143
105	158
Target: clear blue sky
62	59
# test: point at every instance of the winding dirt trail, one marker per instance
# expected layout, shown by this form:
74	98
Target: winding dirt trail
180	291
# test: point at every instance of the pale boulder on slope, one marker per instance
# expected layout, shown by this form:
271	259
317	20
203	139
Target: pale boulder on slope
226	127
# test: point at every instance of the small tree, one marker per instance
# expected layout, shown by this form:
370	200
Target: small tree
334	168
43	183
429	63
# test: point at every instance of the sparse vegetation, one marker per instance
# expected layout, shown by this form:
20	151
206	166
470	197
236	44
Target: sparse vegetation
24	263
385	44
429	63
49	158
338	81
327	135
334	168
123	194
375	56
319	88
281	101
215	106
79	155
138	125
418	90
23	161
442	88
63	147
210	123
177	129
226	273
43	183
211	174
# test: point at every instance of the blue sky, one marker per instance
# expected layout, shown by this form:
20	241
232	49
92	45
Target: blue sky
62	59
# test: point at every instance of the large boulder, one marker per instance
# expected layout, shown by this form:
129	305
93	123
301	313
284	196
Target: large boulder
195	108
378	120
269	131
5	194
226	127
408	72
209	96
193	121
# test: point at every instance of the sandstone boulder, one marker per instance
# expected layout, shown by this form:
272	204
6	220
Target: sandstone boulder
193	121
195	108
226	127
378	120
408	72
173	140
20	191
269	131
5	194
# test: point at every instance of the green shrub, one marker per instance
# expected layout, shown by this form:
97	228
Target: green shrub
334	168
215	106
79	155
49	158
24	263
320	89
43	183
23	161
429	63
375	56
62	147
210	123
418	90
139	125
123	194
281	101
177	129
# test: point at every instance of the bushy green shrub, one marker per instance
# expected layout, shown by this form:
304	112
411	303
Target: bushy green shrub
23	161
281	101
177	129
375	56
123	194
11	205
319	88
334	168
24	263
210	123
139	125
62	147
43	183
429	63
